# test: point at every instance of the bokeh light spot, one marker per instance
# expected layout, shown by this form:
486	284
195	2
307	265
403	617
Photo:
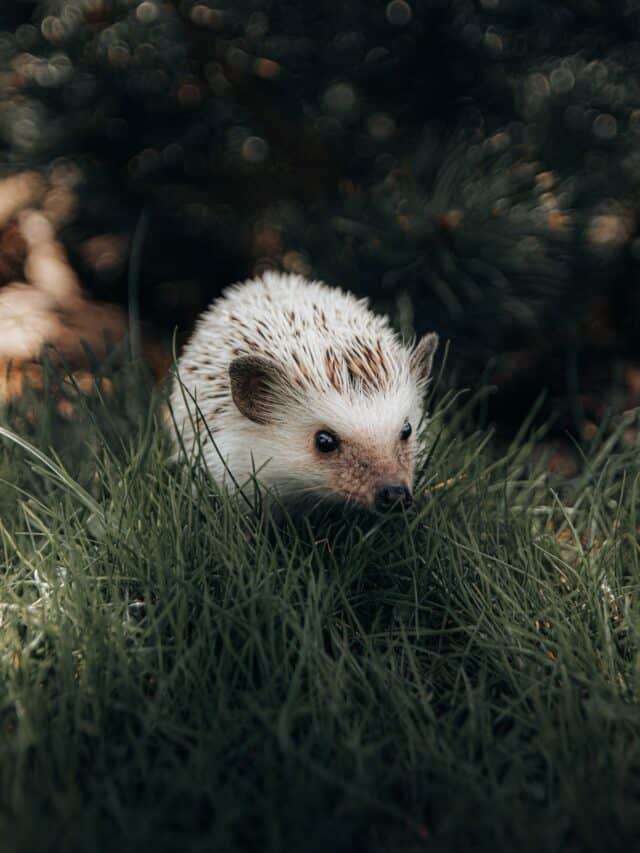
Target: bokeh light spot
340	98
257	25
562	81
255	149
605	127
266	69
147	12
493	42
381	126
53	29
634	121
399	13
203	16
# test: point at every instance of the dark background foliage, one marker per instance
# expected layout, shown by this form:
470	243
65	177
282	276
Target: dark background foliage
470	166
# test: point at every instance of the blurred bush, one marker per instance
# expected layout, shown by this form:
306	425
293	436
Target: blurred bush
477	161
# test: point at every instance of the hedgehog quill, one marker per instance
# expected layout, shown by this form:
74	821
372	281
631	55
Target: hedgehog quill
305	385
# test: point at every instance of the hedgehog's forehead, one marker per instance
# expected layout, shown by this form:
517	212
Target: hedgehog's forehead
362	413
359	358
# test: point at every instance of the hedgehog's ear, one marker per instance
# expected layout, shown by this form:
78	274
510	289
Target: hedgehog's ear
258	386
421	359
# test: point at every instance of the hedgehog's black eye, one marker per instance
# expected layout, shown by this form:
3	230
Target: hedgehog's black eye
326	441
405	432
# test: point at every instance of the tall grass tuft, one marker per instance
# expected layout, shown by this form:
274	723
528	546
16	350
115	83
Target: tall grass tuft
179	672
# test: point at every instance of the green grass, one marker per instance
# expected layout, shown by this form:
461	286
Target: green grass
178	673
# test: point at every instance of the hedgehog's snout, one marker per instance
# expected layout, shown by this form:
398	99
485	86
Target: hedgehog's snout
390	496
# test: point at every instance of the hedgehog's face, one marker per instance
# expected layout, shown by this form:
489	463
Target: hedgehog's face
371	464
360	447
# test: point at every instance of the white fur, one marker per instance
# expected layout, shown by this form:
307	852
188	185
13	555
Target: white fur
282	451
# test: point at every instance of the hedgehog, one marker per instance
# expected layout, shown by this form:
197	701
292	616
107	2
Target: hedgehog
301	386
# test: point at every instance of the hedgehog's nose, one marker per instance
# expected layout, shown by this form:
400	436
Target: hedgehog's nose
392	496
